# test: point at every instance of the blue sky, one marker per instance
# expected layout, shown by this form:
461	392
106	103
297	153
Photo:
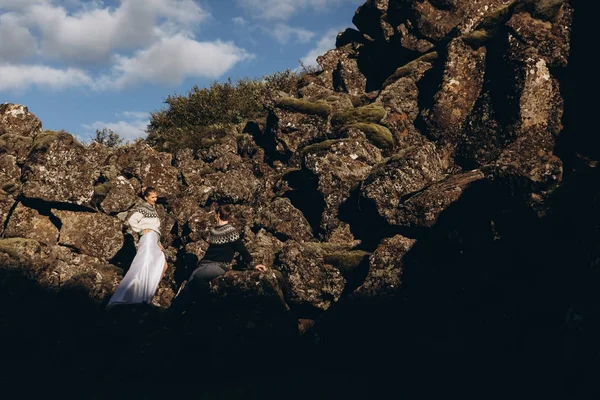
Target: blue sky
85	65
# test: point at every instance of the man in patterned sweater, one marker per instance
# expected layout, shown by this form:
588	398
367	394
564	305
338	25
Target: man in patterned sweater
224	242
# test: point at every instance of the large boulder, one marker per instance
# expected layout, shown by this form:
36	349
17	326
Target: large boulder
309	281
461	86
340	70
385	269
283	220
7	202
94	234
400	100
9	171
339	165
59	169
16	119
16	145
237	186
423	209
120	195
27	223
550	38
406	172
294	123
150	167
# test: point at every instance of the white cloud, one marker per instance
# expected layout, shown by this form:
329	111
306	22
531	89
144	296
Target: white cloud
239	21
283	33
172	59
284	9
91	32
17	42
128	128
327	42
134	114
22	77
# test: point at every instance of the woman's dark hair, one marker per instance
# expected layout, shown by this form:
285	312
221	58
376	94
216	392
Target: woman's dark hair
224	211
147	190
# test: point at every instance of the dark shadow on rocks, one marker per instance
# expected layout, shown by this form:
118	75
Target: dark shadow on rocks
306	197
126	254
366	224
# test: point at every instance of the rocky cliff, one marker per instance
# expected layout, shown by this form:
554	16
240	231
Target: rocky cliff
415	196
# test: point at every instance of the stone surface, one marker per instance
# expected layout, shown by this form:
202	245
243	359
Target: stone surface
150	167
59	169
28	223
309	282
16	119
9	171
423	209
15	145
120	197
284	220
94	234
407	172
7	202
461	86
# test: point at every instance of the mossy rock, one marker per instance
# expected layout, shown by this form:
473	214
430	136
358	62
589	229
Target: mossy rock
321	147
477	38
18	247
497	17
370	113
346	261
319	107
11	187
205	143
8	138
102	189
409	68
44	140
377	134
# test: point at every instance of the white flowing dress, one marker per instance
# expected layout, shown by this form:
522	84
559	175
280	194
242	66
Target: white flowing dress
141	281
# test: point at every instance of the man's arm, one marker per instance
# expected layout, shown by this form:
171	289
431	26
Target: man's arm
239	246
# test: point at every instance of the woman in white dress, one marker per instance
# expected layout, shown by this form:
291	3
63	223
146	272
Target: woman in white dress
147	268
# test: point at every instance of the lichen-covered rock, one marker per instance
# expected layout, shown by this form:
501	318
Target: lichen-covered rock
150	167
9	171
67	269
120	197
282	219
235	186
7	202
263	246
198	225
436	21
192	198
243	287
220	154
408	171
411	41
94	234
461	86
340	67
484	137
309	281
339	166
16	145
385	269
369	19
551	39
191	168
28	223
295	123
423	209
25	252
58	169
16	119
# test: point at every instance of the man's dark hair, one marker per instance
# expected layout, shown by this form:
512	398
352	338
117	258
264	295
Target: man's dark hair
224	211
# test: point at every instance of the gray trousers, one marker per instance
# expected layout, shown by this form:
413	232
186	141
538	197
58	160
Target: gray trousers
197	285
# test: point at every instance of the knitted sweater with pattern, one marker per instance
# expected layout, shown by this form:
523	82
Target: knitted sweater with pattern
224	241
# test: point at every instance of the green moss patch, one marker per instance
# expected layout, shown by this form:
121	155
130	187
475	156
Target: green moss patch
43	141
321	147
476	38
304	106
409	68
8	138
371	113
16	247
346	261
377	134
